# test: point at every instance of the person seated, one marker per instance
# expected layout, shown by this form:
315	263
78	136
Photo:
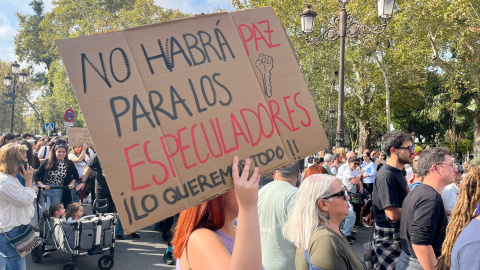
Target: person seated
56	210
321	205
75	212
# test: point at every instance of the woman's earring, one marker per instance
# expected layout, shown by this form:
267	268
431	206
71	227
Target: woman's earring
327	217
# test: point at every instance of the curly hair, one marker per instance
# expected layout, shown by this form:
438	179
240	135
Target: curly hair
462	214
394	139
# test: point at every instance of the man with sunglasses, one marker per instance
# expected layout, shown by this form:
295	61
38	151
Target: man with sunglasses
424	220
389	192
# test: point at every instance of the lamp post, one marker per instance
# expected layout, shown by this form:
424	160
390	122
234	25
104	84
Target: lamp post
12	86
332	115
344	26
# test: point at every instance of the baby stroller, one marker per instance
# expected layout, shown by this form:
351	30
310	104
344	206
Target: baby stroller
91	235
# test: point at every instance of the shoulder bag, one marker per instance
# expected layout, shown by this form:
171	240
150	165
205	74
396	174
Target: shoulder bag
310	265
25	242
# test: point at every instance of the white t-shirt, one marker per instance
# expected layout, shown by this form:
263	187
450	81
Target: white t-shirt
449	197
16	203
341	169
409	171
347	174
44	151
79	165
70	220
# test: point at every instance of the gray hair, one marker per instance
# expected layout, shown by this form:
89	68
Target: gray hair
430	156
306	215
328	157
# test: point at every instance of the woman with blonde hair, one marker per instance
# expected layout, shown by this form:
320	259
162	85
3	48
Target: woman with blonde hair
16	202
343	154
462	242
321	205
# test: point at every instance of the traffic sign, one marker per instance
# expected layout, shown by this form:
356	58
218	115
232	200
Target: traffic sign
69	115
68	124
49	126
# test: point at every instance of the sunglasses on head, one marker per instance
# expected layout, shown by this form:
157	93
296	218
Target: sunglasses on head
342	193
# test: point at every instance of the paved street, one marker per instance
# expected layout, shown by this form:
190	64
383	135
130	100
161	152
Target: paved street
143	253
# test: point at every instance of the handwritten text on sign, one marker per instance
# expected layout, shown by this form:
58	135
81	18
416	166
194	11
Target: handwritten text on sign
79	136
169	105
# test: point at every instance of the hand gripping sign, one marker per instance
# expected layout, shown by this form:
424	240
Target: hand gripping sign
168	106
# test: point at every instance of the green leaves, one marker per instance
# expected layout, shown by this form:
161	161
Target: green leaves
71	18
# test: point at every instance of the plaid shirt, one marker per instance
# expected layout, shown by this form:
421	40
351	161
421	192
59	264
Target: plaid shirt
386	248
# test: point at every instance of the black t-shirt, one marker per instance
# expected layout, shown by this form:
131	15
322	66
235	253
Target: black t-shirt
100	183
423	220
379	166
389	189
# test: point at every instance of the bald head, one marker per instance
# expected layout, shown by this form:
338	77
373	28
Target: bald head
350	154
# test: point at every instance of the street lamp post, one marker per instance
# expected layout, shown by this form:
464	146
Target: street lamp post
344	26
12	87
332	115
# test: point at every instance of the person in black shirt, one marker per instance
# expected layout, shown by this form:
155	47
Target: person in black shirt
103	192
389	191
424	220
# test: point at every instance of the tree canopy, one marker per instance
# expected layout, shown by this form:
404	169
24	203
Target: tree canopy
428	58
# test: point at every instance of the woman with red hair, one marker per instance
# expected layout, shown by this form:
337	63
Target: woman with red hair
314	169
205	235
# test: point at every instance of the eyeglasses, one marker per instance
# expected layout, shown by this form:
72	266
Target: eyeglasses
342	193
410	148
449	164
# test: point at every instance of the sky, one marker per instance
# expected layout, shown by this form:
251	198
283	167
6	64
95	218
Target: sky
9	22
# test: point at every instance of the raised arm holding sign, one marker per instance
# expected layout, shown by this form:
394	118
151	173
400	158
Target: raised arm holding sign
168	106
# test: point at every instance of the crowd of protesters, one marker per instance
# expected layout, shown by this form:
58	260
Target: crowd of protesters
423	208
306	214
63	173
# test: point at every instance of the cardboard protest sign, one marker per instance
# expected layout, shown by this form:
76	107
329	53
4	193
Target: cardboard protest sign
79	136
169	105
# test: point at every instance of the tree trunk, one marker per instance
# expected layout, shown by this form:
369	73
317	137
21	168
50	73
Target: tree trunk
364	137
476	135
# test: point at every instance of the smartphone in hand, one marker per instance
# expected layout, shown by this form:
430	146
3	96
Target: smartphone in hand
22	165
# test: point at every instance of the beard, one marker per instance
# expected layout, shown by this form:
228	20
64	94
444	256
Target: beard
404	160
